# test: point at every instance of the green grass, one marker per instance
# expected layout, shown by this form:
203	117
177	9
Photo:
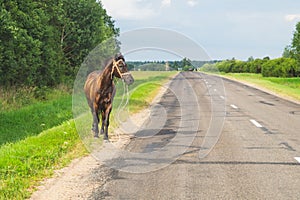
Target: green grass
24	163
146	89
30	150
286	87
31	120
16	98
142	96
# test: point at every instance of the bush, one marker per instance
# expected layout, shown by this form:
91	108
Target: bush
280	67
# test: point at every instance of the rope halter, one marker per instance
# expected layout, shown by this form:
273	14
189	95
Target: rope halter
115	66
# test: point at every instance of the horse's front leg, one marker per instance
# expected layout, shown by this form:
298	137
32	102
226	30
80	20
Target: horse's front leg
106	122
103	122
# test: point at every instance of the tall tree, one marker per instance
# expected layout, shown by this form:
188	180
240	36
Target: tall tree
20	46
296	43
288	52
44	42
86	25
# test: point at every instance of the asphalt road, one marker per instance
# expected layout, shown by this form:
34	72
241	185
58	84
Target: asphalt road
231	141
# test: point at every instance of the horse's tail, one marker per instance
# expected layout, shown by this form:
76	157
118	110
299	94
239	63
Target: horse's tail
88	88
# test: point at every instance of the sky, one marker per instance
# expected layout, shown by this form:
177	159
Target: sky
225	29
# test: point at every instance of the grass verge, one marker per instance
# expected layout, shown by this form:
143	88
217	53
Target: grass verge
146	88
25	163
285	87
30	120
26	160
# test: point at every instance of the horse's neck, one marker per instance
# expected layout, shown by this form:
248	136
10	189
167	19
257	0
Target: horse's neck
105	79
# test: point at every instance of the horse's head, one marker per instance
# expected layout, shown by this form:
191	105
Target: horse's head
120	70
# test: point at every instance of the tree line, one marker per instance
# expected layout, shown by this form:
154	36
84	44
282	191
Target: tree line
185	64
279	67
286	66
43	43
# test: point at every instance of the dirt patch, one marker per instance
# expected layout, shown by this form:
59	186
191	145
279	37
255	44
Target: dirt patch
72	182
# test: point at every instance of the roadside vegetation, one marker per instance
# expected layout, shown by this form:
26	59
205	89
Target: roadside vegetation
284	87
279	67
283	81
147	86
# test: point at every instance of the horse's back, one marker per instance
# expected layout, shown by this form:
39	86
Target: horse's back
90	85
91	79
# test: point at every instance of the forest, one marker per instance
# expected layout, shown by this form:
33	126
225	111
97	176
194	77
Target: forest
43	43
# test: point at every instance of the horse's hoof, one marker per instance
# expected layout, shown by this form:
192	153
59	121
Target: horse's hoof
96	136
106	140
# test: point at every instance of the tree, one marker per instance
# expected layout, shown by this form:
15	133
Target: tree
85	25
296	43
43	43
250	59
20	46
256	65
288	52
185	62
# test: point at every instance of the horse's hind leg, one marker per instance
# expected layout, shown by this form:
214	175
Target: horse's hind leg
95	128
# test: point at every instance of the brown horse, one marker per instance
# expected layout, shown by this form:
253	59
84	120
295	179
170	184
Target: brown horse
100	90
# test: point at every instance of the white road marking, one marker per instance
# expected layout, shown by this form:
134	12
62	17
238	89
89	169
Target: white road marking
298	159
222	97
234	106
256	123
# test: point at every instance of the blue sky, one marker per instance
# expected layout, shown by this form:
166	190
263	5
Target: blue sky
224	28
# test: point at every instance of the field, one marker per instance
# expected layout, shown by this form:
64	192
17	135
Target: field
41	136
286	87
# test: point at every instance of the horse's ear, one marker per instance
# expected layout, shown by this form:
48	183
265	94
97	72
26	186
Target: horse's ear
119	56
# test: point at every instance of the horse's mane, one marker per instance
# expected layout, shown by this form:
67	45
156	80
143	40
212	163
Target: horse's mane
117	57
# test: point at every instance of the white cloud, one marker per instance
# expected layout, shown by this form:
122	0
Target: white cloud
192	3
165	3
129	9
293	17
